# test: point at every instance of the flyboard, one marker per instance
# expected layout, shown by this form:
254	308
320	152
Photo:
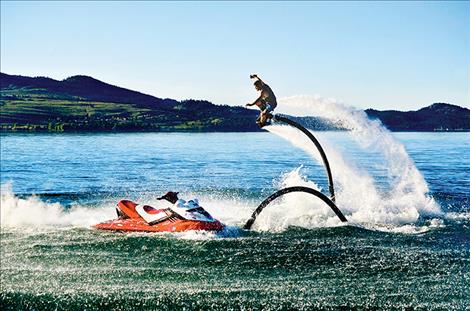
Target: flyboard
177	218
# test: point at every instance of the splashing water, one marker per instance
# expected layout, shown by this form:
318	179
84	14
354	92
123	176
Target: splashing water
296	208
32	212
358	195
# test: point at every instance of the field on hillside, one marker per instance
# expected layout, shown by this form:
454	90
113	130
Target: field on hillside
32	109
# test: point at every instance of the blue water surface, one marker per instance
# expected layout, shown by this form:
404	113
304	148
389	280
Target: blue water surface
420	266
127	163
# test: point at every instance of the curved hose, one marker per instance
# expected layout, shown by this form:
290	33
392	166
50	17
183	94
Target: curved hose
281	192
319	148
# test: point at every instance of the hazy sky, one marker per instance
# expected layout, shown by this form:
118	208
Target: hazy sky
385	55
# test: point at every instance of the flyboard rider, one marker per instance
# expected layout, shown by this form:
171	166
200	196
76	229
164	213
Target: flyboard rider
266	102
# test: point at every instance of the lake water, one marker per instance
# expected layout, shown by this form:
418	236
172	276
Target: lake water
406	245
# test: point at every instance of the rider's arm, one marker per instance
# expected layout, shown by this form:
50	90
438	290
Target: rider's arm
255	76
257	100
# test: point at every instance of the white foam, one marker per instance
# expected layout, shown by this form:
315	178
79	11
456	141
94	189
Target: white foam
458	216
407	228
33	212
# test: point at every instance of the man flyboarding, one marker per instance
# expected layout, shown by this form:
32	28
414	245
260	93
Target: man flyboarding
266	102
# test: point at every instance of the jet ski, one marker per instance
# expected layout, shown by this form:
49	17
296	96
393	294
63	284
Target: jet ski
181	216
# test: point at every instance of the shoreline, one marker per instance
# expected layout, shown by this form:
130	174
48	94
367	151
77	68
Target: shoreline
26	131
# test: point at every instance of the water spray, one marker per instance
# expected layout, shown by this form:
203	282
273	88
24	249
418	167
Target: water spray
329	201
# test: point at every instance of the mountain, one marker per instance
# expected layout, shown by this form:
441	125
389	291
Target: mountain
82	103
83	87
437	117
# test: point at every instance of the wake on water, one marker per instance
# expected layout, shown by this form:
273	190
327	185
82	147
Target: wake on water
397	209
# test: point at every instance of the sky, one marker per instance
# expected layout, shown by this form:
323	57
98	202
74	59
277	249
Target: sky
382	55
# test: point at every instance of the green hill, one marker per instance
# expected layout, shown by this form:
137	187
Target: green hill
82	103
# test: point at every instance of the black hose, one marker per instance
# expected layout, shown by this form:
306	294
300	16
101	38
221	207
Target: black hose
319	147
281	192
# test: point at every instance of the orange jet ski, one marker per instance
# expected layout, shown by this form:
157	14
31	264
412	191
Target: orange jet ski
182	216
